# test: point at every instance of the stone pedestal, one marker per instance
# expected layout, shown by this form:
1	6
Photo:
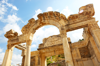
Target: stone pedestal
7	57
28	53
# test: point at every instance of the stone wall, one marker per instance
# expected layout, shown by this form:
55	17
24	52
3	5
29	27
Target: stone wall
52	40
32	61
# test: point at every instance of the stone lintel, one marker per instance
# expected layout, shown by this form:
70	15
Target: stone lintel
20	47
71	27
34	53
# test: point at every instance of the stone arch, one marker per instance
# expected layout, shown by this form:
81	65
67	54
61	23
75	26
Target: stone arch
46	18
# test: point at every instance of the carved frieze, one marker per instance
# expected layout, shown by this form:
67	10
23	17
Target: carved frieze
85	13
29	25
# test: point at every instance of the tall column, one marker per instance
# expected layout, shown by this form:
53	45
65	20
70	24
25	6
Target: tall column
28	53
66	47
43	61
23	55
8	57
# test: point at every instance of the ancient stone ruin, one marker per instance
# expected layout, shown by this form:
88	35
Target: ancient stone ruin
84	53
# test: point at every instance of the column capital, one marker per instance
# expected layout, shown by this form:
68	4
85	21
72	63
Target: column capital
93	26
63	31
10	46
28	42
29	36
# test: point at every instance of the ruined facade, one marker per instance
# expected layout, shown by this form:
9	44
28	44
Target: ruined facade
84	53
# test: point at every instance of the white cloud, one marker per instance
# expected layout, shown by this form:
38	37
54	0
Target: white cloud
49	9
12	6
16	59
3	9
9	4
13	26
11	19
43	33
12	23
66	11
36	13
1	57
75	35
1	50
33	46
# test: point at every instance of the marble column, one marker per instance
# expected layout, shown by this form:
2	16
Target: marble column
43	60
28	53
8	57
66	47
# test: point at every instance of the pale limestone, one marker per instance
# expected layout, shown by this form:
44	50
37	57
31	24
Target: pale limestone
82	53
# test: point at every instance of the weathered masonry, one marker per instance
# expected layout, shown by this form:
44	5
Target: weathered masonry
84	53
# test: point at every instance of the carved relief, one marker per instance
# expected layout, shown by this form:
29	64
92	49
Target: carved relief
52	40
85	13
11	34
87	10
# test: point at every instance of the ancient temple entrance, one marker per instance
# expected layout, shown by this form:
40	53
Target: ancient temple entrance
76	54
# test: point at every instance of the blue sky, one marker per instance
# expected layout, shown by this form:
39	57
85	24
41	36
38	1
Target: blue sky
14	14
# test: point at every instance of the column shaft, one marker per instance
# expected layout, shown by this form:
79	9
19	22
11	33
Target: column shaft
43	61
7	57
23	60
27	59
67	52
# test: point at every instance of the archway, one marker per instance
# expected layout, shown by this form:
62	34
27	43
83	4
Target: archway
47	18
